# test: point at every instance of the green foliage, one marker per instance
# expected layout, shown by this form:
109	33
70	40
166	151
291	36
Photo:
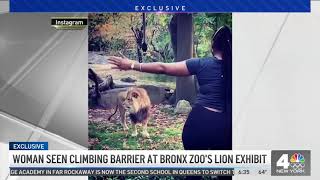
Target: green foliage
205	26
111	33
159	39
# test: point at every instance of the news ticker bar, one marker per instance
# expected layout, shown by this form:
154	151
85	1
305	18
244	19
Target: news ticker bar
160	6
160	162
121	172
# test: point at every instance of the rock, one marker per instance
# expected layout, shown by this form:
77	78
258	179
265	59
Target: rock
128	80
121	84
167	106
183	107
157	94
172	98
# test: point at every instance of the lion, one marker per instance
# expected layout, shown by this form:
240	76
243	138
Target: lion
135	100
138	105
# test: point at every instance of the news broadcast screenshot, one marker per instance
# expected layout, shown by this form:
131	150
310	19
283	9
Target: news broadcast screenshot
159	89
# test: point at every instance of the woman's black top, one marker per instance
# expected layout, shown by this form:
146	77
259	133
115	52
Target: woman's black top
209	72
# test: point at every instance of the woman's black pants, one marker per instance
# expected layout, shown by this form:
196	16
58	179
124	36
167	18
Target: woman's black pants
207	130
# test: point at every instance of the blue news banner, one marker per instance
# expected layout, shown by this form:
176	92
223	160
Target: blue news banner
160	5
24	146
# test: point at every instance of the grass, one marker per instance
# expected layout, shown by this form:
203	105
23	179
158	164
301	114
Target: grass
165	135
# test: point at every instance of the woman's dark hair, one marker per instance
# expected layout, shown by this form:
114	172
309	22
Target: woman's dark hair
222	43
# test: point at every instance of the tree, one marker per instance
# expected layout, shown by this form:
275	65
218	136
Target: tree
181	29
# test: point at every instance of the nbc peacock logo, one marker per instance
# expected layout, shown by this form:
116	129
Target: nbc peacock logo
297	158
297	162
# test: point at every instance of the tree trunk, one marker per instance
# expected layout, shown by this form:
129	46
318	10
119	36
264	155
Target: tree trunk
182	40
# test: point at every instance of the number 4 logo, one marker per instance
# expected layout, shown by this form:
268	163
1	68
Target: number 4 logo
283	161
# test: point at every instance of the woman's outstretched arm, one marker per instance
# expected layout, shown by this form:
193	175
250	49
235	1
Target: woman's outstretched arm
173	69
